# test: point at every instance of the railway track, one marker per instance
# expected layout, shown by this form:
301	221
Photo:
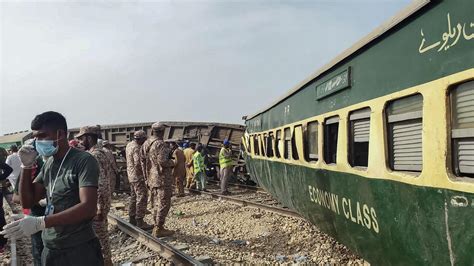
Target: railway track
256	199
239	185
172	254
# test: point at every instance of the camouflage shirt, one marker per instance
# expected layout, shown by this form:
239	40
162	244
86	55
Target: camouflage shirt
160	174
134	168
103	191
111	158
145	156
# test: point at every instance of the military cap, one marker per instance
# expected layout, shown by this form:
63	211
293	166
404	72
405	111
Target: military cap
92	130
139	134
158	126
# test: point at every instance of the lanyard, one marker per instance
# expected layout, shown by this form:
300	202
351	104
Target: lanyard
51	189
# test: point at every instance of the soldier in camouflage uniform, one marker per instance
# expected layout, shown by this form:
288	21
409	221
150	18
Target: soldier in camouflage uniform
88	137
160	179
146	164
113	163
138	189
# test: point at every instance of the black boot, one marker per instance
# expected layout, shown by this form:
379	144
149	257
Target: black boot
143	225
132	220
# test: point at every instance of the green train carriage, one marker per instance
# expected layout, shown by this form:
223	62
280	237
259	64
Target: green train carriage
377	147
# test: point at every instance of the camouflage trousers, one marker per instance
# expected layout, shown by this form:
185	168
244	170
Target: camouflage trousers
112	181
100	228
138	199
162	201
189	177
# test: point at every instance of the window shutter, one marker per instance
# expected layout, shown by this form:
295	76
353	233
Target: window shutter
288	149
407	145
463	106
332	120
406	127
361	130
406	105
466	155
361	124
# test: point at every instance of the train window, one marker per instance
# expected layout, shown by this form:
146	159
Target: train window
359	126
288	148
462	132
278	143
404	118
270	145
294	149
331	129
251	148
262	144
256	149
249	143
311	151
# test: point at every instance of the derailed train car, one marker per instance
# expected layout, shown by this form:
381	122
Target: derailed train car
377	147
211	135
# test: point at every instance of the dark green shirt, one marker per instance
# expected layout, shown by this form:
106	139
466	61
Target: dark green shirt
36	210
79	169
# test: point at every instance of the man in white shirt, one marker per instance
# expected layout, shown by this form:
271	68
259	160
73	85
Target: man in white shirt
7	186
13	160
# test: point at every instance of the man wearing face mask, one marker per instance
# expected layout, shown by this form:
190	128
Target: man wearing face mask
69	182
88	137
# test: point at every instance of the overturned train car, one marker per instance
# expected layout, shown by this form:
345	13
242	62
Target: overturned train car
209	134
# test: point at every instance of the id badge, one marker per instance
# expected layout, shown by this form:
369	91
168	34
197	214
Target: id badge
49	210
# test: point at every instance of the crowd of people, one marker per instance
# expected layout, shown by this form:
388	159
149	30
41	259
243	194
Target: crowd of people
65	187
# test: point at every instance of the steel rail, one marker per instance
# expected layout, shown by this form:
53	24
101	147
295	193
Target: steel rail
277	210
240	186
175	256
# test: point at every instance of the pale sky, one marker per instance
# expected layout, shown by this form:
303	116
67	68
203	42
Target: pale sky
138	61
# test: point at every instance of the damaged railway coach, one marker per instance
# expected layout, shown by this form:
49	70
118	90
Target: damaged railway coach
377	147
209	134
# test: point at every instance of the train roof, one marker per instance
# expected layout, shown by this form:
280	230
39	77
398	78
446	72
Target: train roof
14	137
179	123
167	123
376	34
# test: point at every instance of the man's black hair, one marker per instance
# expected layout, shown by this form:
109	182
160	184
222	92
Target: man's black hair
13	148
200	147
51	120
192	144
